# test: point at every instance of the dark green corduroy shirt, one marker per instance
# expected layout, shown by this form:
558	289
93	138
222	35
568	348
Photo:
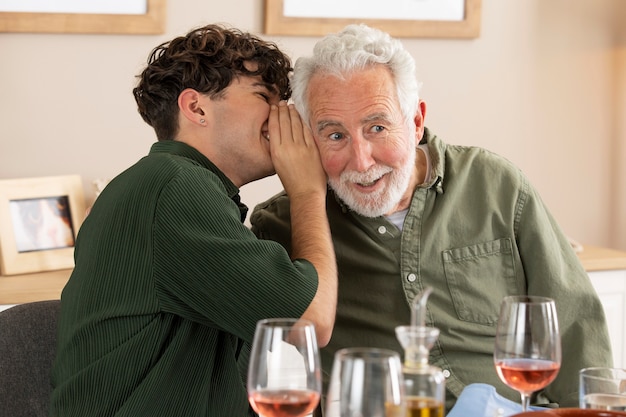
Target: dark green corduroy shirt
167	289
475	232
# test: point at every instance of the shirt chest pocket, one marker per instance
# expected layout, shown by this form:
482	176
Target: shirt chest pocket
478	277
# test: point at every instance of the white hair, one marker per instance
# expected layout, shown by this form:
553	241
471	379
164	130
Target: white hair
357	47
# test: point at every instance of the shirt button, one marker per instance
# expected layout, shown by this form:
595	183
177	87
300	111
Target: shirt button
411	277
382	230
446	373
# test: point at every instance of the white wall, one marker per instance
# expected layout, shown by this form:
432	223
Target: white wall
544	85
617	214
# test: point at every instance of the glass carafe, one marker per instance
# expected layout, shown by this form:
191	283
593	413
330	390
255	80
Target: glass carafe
424	384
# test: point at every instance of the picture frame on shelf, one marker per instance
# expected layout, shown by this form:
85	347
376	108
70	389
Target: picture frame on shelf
39	222
423	19
138	17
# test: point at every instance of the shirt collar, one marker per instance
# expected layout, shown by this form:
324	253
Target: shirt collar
437	149
184	150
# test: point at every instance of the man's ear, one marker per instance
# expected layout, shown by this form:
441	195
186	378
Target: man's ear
420	115
190	103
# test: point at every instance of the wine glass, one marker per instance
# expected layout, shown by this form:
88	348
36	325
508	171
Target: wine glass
366	382
284	377
527	354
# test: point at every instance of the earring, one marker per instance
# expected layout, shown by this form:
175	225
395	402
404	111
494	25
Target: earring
202	121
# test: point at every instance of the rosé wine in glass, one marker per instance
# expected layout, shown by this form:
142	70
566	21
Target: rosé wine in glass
527	375
527	354
284	403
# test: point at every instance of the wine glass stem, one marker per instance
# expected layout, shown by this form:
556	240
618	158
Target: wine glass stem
525	401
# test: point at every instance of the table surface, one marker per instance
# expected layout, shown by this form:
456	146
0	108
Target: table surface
16	289
596	258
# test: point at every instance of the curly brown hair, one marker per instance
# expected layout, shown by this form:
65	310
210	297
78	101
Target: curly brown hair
206	59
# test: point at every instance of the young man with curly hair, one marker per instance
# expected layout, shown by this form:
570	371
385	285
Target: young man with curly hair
169	283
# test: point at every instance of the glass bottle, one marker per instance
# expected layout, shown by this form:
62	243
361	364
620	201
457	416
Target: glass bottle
424	384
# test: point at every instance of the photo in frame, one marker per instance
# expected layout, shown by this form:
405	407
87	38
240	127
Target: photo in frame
39	222
138	17
400	18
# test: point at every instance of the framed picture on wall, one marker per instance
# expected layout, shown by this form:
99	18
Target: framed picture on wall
400	18
78	16
39	222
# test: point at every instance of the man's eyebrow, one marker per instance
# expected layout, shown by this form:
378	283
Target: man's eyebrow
269	87
376	117
323	124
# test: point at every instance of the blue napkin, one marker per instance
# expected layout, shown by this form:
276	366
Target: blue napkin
482	400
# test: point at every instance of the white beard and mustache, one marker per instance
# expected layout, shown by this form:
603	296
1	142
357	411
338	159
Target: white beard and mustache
379	202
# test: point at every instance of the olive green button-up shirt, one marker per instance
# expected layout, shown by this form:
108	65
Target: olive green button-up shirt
475	232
